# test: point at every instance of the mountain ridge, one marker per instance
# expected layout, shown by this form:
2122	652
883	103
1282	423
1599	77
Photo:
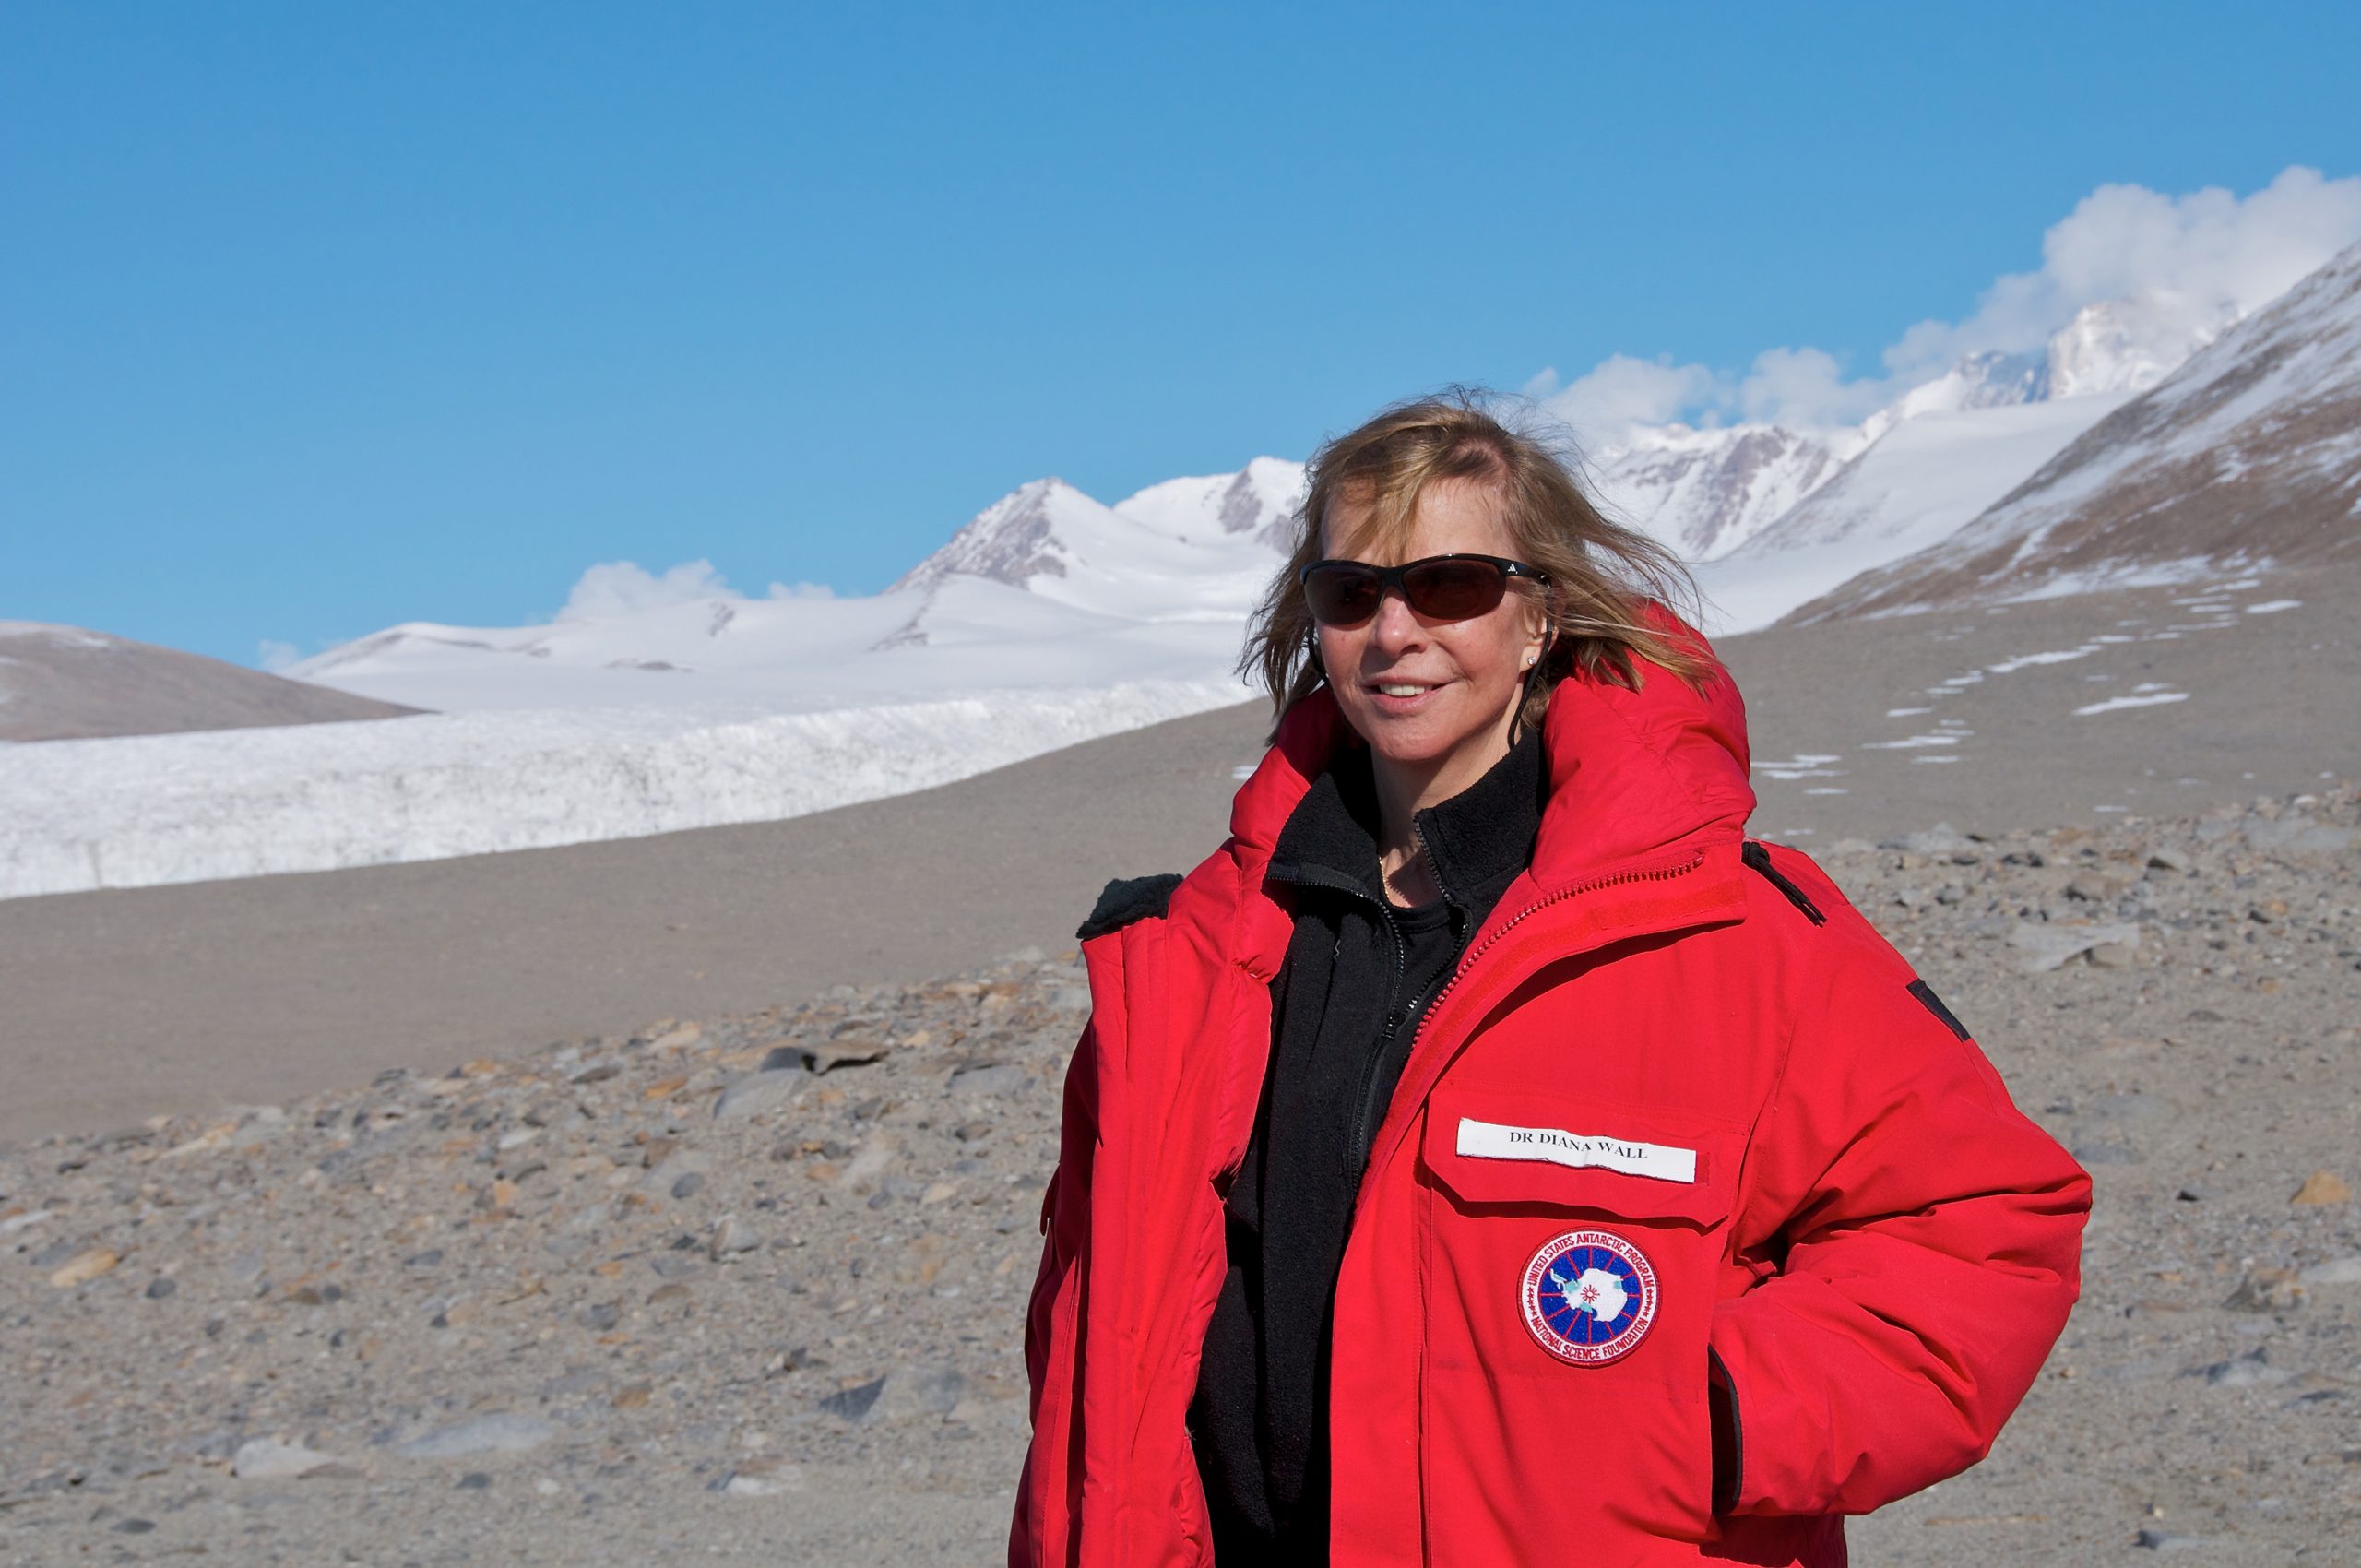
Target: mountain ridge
2247	454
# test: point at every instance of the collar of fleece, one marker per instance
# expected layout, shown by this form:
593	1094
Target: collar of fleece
1478	838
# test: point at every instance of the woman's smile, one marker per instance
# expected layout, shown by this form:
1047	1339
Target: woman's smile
1401	697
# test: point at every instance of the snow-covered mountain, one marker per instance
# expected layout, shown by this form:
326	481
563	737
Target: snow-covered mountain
1258	502
1186	550
1705	493
1917	484
1712	494
2249	453
1046	587
2131	345
1921	467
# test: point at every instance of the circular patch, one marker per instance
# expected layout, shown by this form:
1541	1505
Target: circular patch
1589	1297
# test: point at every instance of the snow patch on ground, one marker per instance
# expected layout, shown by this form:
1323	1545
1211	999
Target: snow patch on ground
2145	696
2027	661
1801	767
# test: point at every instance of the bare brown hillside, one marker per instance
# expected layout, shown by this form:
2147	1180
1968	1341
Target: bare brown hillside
64	683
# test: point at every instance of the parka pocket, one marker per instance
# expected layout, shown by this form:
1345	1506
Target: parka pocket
1570	1250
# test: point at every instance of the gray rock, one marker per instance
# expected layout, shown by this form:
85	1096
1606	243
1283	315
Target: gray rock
845	1053
925	1391
602	1315
672	1167
990	1079
2266	1290
2253	1370
2336	1271
56	1253
2099	887
760	1477
2047	944
759	1092
855	1403
731	1236
686	1187
504	1432
2298	836
163	1285
1940	839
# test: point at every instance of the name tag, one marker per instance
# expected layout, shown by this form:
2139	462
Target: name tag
1489	1140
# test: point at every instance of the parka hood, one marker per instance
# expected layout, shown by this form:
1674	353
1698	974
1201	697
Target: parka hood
1631	771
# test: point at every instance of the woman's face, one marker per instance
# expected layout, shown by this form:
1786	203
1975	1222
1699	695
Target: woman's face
1435	696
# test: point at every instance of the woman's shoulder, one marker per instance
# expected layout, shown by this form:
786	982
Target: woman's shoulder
1128	899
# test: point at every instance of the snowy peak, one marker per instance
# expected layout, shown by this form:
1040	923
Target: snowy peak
1258	503
1050	538
2131	345
1013	540
1705	493
1991	380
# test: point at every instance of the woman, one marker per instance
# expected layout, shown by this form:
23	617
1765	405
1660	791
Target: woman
1489	1155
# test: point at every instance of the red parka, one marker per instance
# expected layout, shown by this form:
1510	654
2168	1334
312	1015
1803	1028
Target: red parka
1681	1061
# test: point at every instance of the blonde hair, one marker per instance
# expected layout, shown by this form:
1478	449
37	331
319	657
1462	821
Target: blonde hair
1609	584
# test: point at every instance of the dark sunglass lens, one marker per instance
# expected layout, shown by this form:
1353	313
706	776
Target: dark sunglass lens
1454	590
1341	596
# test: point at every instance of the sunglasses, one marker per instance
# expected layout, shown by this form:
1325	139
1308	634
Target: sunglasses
1441	587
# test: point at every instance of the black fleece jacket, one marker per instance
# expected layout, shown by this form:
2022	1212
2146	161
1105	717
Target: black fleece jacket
1346	1005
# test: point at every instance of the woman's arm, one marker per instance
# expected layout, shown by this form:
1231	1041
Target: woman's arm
1922	1239
1049	1489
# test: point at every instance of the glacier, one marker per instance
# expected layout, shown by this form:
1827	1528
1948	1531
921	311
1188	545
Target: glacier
144	810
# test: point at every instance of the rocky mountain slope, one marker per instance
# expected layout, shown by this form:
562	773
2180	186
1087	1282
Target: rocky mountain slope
2249	453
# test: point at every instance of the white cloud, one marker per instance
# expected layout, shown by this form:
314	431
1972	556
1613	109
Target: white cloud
1807	387
619	588
2208	254
1623	392
2192	262
276	656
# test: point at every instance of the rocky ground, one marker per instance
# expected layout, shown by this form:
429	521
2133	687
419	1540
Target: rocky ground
748	1288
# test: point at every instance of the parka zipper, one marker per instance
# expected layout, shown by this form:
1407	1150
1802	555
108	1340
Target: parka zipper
1467	959
1366	1112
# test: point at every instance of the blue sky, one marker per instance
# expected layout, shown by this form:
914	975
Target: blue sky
313	319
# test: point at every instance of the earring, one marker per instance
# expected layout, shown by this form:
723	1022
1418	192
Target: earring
1529	658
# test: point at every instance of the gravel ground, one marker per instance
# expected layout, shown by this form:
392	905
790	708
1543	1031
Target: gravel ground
748	1288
